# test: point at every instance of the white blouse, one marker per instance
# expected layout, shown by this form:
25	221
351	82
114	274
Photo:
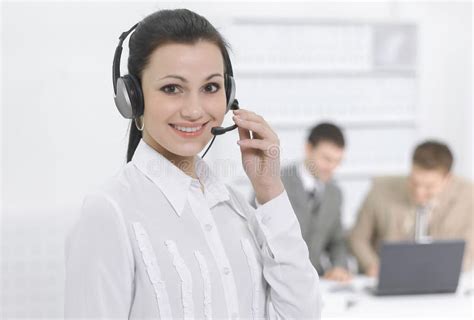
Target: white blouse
150	244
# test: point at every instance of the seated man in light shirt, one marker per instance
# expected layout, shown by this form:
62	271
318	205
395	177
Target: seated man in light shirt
317	200
430	203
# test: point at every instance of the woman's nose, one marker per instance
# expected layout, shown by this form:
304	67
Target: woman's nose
192	109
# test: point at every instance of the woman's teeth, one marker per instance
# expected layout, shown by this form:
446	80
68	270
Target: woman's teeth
187	129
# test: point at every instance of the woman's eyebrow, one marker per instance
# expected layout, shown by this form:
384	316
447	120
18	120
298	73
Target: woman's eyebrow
214	75
174	76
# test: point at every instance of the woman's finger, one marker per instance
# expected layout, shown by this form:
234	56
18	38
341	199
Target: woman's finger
252	116
243	133
257	127
270	149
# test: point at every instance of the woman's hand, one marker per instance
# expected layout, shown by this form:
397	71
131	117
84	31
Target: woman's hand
260	154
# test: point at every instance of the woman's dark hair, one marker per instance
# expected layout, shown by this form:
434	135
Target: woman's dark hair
160	28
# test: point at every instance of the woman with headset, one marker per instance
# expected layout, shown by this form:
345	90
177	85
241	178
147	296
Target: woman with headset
165	238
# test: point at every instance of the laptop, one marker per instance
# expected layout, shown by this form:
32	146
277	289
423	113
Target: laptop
409	267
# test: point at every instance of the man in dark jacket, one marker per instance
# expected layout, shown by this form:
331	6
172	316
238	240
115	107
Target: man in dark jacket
317	200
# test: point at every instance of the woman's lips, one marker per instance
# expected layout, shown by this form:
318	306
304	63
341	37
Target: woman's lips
189	134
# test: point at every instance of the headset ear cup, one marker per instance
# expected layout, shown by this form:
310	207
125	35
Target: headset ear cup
229	91
135	94
122	99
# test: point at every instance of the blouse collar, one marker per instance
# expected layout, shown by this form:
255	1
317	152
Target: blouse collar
173	182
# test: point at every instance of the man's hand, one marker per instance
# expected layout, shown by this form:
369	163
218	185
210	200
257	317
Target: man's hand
338	274
372	271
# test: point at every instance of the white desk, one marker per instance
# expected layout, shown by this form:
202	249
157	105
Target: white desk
354	301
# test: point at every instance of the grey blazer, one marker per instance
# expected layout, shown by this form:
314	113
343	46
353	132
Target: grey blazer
322	230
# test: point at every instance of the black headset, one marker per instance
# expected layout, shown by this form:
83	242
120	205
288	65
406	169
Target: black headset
128	95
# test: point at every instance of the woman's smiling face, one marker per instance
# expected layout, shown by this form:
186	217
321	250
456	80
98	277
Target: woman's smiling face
184	94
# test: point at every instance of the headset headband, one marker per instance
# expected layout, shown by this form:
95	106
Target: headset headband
117	55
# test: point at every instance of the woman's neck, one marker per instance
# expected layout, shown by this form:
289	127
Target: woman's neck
184	163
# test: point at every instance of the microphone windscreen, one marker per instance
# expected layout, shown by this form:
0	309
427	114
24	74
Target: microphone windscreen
217	131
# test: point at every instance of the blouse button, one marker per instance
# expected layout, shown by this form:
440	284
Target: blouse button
208	227
226	270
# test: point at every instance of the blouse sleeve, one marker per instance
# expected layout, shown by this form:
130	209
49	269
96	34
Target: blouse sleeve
99	263
293	281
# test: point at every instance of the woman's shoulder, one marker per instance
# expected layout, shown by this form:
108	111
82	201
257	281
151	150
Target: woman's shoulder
105	198
98	206
99	228
116	186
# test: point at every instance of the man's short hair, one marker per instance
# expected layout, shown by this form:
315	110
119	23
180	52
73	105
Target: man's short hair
432	155
326	132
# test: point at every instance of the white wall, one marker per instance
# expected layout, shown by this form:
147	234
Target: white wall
61	135
446	75
58	110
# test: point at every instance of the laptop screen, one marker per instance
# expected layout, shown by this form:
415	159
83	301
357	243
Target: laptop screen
408	267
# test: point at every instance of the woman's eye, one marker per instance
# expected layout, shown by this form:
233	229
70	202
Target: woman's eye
171	88
211	87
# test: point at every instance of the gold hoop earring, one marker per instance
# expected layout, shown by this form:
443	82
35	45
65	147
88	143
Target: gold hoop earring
140	128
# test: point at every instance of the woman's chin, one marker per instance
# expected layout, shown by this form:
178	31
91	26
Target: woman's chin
189	150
